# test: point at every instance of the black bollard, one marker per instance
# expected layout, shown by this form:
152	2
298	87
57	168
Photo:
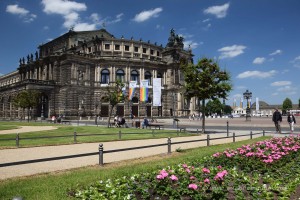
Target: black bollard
169	145
17	140
101	154
208	138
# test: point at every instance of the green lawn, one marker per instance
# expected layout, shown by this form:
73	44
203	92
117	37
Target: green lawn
65	135
56	185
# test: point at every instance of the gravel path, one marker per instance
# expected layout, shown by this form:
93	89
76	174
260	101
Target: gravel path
24	129
23	154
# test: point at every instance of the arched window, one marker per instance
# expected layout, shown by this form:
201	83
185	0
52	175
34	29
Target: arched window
159	75
148	77
135	100
105	76
120	75
134	76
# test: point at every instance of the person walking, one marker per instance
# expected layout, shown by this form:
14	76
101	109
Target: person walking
291	120
277	119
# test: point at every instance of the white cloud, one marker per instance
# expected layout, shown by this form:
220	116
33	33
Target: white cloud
71	19
281	83
231	51
147	14
237	96
297	58
22	12
84	27
288	90
95	17
278	51
296	62
69	10
241	87
257	74
218	11
190	43
259	60
206	20
16	10
62	7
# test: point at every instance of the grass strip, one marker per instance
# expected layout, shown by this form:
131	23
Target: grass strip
85	134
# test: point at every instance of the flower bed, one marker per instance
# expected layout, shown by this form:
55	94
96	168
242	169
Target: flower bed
265	170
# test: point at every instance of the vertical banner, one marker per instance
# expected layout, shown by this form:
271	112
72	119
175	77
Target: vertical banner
132	86
156	91
249	105
257	104
144	90
241	103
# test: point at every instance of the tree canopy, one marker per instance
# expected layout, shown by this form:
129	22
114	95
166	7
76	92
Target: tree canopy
114	96
214	106
205	80
27	99
286	105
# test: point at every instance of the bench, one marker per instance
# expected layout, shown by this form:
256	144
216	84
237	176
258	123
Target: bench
155	125
66	121
111	124
181	129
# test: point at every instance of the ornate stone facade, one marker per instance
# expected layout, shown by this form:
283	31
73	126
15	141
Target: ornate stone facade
73	71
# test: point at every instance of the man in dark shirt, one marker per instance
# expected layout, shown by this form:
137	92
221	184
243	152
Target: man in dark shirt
277	119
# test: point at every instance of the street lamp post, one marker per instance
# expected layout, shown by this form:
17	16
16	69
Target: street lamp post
247	95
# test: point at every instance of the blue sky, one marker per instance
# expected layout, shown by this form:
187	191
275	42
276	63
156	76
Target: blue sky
257	41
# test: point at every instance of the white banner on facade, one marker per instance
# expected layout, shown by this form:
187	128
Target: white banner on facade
156	91
257	104
132	86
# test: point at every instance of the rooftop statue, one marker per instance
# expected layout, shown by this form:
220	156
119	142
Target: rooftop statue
175	40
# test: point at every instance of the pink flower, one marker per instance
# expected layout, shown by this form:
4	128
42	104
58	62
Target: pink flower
216	154
219	167
173	177
164	173
192	178
220	175
193	186
184	166
206	181
188	170
159	177
205	170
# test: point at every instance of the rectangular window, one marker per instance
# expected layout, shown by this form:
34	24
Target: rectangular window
117	47
126	47
157	53
144	50
136	49
107	46
151	51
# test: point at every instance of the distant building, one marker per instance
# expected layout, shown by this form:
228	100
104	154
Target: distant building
73	71
265	110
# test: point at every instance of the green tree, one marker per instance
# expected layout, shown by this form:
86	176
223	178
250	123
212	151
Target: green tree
27	99
205	80
227	109
213	107
286	105
114	96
